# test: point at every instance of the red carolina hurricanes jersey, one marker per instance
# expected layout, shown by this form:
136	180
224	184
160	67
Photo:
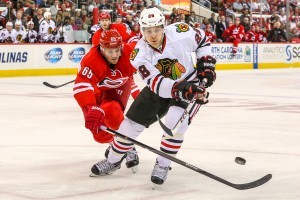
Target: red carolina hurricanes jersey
237	31
121	28
96	74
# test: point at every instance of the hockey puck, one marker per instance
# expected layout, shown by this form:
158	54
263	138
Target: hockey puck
240	161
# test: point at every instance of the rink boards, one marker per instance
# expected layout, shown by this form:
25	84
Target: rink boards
64	59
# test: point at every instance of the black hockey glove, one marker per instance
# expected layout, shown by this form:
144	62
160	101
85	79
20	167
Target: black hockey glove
189	92
206	70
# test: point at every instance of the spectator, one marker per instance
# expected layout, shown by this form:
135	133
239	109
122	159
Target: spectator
277	34
103	5
9	13
136	31
19	19
237	6
129	23
245	14
45	4
78	20
119	19
294	35
174	14
73	24
182	18
72	11
205	22
191	18
246	24
54	8
245	4
212	21
37	18
220	28
30	9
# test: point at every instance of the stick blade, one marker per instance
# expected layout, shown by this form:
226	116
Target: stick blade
253	184
49	85
166	129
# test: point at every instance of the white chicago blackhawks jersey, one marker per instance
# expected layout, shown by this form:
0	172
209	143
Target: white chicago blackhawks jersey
7	36
19	36
46	30
160	69
32	36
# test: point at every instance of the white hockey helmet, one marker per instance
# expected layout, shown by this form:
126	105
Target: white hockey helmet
46	14
9	24
151	17
30	22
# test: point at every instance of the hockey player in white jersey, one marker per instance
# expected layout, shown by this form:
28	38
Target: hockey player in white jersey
20	34
7	34
163	60
47	29
31	34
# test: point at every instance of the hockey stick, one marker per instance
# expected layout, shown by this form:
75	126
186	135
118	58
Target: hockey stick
191	113
243	186
56	86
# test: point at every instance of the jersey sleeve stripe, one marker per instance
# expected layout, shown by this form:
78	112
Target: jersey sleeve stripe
76	91
158	85
154	83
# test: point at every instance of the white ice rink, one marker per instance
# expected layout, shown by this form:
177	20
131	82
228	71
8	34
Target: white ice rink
46	153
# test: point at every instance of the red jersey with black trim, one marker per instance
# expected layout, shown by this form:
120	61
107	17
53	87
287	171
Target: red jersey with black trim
96	74
251	36
211	36
261	36
236	32
121	28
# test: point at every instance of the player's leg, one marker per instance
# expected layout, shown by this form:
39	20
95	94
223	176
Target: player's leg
139	116
170	144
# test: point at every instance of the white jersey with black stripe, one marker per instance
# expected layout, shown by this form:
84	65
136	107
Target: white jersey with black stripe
160	69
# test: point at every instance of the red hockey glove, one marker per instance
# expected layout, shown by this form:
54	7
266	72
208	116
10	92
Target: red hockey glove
94	118
206	70
189	92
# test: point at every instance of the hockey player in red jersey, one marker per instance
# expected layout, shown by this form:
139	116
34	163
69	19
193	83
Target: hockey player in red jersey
105	21
209	34
102	87
251	35
164	62
127	37
236	34
261	35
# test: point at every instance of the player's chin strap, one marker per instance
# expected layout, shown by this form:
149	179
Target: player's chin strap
191	112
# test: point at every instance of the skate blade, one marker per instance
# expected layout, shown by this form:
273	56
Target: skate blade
95	175
134	169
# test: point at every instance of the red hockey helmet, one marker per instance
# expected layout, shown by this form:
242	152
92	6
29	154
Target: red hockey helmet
110	39
104	15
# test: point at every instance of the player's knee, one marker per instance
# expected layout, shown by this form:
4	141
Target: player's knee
131	128
114	114
103	137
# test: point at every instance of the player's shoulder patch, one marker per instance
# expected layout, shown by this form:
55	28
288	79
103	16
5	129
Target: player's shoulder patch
134	54
182	27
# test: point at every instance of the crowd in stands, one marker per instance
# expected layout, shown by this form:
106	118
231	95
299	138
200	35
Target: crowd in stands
49	20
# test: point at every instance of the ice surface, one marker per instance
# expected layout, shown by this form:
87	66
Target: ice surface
46	153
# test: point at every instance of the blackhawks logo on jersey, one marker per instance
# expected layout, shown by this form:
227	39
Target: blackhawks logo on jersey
19	37
182	27
170	68
50	30
133	54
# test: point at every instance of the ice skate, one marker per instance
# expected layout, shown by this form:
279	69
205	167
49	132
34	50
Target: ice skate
159	174
132	159
105	168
